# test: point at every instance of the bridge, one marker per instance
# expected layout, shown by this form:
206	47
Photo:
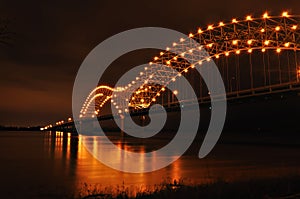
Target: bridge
255	56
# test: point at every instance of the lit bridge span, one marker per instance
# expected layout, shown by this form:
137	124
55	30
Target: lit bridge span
255	56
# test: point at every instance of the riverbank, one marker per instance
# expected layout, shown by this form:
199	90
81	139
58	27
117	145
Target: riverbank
272	188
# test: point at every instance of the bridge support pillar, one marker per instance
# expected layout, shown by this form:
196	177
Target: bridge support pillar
122	117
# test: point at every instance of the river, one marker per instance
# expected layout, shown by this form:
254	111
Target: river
56	164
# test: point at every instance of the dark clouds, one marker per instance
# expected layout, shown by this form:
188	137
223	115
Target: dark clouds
52	38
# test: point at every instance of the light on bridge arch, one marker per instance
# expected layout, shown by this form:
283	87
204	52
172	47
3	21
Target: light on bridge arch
235	42
278	50
287	44
210	27
267	42
209	45
285	14
250	50
221	24
266	15
234	21
249	18
175	92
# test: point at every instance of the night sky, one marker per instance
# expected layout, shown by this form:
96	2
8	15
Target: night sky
51	39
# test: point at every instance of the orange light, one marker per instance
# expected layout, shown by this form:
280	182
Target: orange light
155	58
285	14
250	50
266	15
249	18
142	100
227	53
163	89
209	45
277	28
161	53
263	50
278	50
287	44
249	42
192	66
185	70
221	24
191	35
181	40
267	42
175	92
234	42
210	27
294	27
168	62
217	56
153	99
262	30
200	31
238	52
234	21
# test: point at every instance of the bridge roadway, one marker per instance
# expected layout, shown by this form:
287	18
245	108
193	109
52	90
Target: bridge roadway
267	92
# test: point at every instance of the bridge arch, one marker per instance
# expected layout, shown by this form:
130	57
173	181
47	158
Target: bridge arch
266	33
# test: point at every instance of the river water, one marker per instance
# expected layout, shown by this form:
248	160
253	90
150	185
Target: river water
56	164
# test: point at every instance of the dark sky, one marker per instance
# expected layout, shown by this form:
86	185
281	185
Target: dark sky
51	40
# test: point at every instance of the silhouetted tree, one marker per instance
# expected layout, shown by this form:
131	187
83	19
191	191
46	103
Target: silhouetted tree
5	34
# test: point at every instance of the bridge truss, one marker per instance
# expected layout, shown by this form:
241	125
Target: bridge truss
252	54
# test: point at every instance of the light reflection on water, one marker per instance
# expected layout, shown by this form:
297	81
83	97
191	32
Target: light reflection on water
50	163
71	150
236	162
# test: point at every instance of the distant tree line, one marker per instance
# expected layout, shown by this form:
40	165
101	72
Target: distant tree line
17	128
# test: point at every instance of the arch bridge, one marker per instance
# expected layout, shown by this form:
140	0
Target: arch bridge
254	56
